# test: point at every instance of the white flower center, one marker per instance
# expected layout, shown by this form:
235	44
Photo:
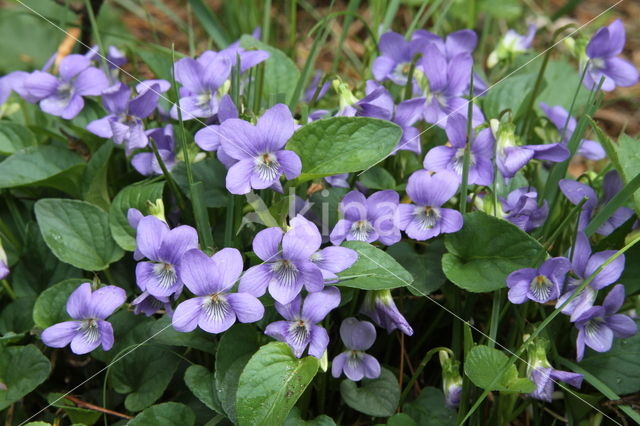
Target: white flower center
458	161
165	274
267	166
427	216
216	307
89	330
299	331
361	230
541	287
286	272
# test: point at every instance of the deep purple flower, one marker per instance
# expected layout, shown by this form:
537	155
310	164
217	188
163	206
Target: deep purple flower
300	328
598	325
452	157
445	86
333	260
603	48
215	308
380	307
396	54
200	78
357	336
89	328
511	157
164	248
611	185
258	149
124	122
62	96
558	116
427	218
540	285
541	373
511	45
368	219
521	209
287	265
146	163
149	305
583	265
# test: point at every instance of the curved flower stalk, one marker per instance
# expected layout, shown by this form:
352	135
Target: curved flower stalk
261	159
512	157
512	45
368	219
89	328
583	265
357	336
598	325
540	285
558	116
124	123
164	248
521	208
215	309
541	373
611	185
287	266
146	163
63	95
427	218
452	157
380	307
603	50
300	329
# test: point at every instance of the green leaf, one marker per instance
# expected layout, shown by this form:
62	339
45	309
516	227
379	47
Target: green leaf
423	263
484	364
133	196
378	397
210	23
280	72
16	316
51	306
374	269
201	382
295	419
77	233
619	367
44	165
271	383
95	189
22	369
165	334
236	347
143	374
401	419
76	414
628	154
14	137
166	414
342	145
430	409
486	250
212	174
378	178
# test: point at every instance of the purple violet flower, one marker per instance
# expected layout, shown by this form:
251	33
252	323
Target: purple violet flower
164	249
333	260
146	163
521	209
427	218
540	285
62	96
339	181
300	328
208	138
583	265
200	78
313	86
89	328
124	122
396	54
511	157
452	157
611	185
511	45
287	261
149	305
598	325
541	373
357	336
215	309
380	307
603	48
451	380
368	219
259	151
558	116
